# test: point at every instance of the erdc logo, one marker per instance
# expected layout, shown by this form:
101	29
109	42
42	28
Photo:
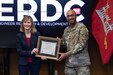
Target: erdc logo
34	7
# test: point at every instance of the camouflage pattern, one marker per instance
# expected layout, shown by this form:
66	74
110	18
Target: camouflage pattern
77	46
77	70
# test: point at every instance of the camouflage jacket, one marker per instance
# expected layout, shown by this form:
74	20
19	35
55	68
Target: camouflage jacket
76	39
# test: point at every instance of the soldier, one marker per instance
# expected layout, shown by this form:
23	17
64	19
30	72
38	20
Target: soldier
76	37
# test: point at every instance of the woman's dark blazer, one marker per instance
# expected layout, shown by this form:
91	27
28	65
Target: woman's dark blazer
24	50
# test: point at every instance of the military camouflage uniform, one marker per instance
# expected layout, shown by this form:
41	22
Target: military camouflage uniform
78	60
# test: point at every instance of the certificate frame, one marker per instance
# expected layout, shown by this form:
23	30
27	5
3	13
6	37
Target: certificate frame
49	47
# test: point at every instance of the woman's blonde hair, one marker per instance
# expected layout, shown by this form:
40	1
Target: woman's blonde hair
26	18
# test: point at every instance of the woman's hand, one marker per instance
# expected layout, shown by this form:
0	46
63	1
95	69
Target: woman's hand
35	50
43	57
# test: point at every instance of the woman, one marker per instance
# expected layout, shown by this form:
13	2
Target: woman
26	48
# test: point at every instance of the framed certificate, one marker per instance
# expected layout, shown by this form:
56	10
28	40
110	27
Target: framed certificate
48	47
